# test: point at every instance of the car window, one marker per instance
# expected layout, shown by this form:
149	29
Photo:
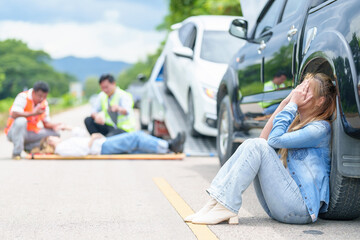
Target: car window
290	8
191	39
269	19
218	46
184	32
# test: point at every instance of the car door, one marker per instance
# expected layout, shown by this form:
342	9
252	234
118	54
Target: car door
188	68
278	47
179	64
175	40
250	65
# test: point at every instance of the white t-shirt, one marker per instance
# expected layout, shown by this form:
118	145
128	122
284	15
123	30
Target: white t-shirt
20	103
79	146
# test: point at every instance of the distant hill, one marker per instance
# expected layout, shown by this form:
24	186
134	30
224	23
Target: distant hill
83	68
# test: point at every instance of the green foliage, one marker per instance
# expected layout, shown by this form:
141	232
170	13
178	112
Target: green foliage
5	104
68	100
182	9
21	67
91	86
251	88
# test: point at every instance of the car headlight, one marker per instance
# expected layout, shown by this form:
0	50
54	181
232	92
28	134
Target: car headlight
210	92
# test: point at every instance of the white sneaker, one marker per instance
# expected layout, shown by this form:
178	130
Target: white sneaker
217	215
208	206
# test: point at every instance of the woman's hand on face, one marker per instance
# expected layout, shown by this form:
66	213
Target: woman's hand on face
301	94
287	99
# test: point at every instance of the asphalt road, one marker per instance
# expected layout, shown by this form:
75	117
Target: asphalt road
118	199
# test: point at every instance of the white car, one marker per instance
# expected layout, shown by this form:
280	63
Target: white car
197	53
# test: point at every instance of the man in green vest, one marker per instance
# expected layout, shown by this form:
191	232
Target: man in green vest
276	83
112	112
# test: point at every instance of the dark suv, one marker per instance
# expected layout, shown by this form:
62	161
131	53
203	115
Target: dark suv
297	37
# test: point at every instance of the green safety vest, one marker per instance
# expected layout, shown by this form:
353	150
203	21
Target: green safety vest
270	86
124	122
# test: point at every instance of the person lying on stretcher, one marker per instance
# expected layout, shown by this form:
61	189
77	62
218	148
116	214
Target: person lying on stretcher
134	142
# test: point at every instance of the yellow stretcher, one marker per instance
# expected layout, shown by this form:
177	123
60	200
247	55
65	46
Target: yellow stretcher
171	156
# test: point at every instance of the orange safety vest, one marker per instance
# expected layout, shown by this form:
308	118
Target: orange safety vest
32	121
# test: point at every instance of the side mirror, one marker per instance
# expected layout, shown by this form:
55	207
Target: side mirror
183	52
141	77
239	28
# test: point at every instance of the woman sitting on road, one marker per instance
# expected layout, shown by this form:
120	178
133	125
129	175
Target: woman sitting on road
296	190
134	142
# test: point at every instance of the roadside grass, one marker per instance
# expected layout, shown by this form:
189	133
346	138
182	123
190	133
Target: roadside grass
54	109
3	119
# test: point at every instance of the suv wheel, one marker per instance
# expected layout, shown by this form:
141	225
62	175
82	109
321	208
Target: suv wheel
344	192
224	140
344	198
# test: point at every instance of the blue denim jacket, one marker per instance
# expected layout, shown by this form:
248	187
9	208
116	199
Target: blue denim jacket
308	157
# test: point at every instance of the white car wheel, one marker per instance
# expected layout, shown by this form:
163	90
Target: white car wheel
191	116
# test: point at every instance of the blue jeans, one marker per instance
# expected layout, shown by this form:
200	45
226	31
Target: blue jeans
134	142
255	161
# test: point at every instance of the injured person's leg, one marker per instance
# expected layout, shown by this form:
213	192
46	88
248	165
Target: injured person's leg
140	142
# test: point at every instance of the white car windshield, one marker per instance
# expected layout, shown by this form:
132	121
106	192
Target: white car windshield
219	46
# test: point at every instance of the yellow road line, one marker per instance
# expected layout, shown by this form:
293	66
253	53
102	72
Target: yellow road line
200	231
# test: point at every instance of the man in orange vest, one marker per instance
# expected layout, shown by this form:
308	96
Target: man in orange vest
29	108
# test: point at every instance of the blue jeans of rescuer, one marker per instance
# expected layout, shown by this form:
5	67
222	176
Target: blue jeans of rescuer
255	161
134	142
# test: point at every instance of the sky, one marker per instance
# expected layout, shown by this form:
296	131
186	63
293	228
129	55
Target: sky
121	30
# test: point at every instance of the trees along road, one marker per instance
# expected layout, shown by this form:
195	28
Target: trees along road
120	199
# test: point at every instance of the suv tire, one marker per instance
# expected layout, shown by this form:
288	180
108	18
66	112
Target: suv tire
344	192
344	198
225	126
